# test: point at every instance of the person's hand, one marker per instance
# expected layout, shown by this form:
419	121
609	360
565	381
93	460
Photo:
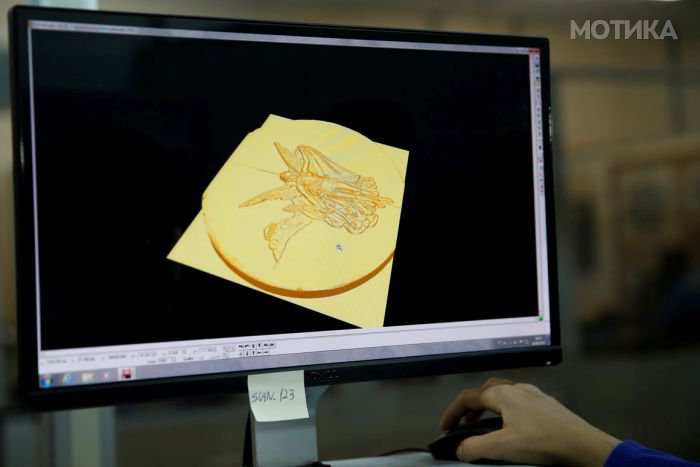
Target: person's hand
537	429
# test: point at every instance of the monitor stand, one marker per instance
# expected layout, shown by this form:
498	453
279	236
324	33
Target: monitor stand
284	443
292	443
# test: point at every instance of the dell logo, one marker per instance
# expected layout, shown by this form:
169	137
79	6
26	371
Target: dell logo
324	376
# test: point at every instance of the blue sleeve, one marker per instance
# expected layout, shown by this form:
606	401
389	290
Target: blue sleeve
631	454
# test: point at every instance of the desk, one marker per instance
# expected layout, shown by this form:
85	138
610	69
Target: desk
414	459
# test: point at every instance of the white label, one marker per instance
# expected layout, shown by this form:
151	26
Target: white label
277	396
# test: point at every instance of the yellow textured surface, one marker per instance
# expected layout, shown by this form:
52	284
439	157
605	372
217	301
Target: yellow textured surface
327	265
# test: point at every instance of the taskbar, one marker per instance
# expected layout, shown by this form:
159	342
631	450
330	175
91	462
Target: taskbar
251	356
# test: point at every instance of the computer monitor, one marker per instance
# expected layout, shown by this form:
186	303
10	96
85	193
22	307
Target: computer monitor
198	200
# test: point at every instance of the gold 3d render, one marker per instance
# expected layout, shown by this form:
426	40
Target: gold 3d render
306	211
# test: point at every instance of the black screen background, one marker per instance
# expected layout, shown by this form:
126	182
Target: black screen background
130	130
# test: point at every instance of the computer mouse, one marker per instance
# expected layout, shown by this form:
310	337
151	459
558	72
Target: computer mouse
445	446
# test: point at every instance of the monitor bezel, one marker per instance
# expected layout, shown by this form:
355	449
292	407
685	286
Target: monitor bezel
138	390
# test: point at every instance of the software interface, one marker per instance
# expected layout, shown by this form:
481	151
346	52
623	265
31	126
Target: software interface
228	201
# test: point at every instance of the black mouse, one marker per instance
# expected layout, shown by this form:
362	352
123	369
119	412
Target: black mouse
445	446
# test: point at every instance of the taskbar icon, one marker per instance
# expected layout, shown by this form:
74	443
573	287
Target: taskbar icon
46	381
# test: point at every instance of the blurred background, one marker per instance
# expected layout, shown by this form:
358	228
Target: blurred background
627	152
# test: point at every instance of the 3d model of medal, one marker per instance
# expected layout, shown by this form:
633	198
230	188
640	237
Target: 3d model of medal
307	211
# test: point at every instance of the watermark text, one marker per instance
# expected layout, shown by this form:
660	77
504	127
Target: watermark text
623	29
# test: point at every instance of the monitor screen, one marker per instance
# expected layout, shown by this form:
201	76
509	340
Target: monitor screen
199	200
